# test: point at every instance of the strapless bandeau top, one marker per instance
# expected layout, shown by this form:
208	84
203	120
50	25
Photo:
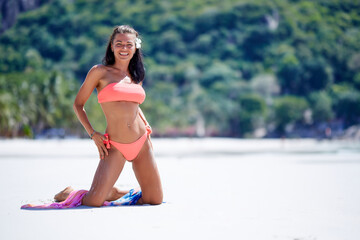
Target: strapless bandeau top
122	92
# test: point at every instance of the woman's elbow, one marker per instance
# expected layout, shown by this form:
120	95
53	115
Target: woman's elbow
77	106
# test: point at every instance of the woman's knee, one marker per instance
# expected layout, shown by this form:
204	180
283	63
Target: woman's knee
93	201
154	200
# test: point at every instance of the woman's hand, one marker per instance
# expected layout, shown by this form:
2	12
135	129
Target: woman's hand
99	141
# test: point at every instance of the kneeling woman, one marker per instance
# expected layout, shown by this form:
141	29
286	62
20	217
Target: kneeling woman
119	85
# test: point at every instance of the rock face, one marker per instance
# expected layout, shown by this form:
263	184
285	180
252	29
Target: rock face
9	10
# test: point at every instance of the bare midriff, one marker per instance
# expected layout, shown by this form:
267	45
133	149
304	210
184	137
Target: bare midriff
124	124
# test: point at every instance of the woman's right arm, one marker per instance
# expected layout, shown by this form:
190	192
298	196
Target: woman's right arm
88	86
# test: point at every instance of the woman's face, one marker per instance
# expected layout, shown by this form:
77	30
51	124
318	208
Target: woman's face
123	46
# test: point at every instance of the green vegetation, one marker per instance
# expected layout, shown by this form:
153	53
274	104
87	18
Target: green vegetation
223	68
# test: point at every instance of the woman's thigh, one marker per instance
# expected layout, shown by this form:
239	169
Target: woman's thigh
148	176
105	177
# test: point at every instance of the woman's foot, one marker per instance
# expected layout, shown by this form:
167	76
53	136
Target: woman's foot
115	194
61	196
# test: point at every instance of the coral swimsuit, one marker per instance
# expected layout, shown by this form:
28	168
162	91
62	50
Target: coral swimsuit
114	92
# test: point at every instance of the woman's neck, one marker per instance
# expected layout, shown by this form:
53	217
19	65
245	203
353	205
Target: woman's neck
123	67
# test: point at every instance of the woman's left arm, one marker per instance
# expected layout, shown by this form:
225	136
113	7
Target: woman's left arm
146	124
143	117
142	114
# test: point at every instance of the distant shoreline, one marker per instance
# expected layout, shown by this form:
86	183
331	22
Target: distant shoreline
84	148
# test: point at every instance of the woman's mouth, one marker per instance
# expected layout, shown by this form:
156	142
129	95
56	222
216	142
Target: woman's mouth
124	54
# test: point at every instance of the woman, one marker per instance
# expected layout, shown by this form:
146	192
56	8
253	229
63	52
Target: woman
119	85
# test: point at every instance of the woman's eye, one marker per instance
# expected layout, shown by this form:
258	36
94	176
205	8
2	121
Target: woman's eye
129	45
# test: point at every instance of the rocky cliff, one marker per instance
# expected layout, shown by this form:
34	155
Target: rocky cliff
9	10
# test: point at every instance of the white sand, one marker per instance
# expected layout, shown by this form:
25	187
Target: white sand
214	189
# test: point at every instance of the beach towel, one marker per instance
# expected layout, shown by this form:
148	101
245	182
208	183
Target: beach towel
75	198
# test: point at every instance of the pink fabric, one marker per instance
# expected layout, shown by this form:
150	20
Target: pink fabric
73	200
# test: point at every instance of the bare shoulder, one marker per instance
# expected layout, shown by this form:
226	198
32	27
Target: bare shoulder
98	69
96	73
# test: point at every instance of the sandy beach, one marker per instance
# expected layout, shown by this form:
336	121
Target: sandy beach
214	188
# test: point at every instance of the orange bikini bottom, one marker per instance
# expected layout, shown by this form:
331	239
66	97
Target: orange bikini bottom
128	150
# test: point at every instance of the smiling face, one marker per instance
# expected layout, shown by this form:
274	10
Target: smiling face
123	46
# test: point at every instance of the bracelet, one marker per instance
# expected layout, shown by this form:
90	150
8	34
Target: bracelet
92	134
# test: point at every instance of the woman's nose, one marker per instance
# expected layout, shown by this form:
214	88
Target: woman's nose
123	46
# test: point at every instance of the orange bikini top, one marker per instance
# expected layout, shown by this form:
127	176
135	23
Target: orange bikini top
129	92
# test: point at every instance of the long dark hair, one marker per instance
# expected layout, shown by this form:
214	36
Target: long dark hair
136	66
